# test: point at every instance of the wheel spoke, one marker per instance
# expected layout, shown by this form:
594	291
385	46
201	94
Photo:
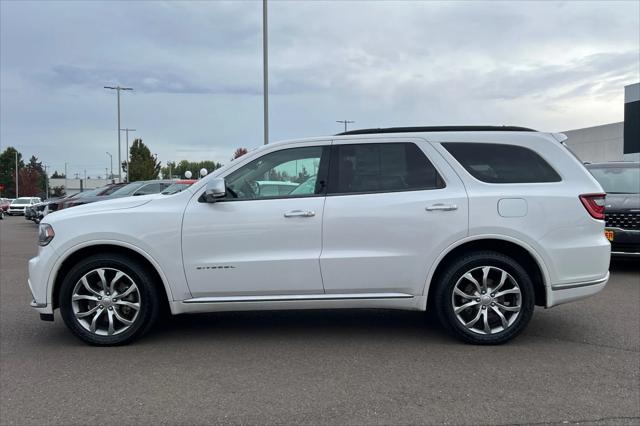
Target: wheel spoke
463	294
95	320
110	316
103	280
114	281
128	291
474	320
132	305
508	308
465	306
514	290
485	319
121	318
86	285
87	313
469	277
503	278
504	321
485	276
77	297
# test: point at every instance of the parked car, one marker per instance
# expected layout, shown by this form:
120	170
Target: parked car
178	185
143	187
91	196
461	220
621	182
4	206
18	205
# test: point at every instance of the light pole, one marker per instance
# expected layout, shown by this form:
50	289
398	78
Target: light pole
110	158
127	151
118	89
265	70
345	123
17	175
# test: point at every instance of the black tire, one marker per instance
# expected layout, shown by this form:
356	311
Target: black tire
149	301
445	294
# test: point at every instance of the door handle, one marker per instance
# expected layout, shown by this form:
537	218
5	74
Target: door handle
299	213
441	207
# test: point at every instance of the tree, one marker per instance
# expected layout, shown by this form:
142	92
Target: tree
8	170
57	175
58	191
239	153
142	165
180	168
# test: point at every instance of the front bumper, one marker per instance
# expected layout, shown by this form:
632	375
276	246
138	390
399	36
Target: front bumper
569	292
626	242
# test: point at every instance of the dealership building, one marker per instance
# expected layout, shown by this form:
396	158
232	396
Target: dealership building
611	142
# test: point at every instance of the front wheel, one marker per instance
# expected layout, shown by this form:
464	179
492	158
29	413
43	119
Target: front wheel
108	300
485	298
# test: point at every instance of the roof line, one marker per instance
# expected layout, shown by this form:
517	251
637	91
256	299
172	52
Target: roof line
437	129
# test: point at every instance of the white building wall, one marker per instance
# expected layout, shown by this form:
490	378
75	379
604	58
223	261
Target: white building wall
599	143
72	186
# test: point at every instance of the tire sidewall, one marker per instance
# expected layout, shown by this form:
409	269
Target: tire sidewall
148	299
464	265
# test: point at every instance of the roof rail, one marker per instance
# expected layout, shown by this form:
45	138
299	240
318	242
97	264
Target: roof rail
437	129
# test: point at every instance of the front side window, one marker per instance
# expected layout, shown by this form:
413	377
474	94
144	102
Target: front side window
381	167
293	172
499	163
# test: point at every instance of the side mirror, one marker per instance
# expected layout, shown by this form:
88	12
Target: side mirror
216	188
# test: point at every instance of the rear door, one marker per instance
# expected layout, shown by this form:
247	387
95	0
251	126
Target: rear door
392	207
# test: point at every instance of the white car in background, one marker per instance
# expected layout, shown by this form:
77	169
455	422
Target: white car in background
480	224
18	205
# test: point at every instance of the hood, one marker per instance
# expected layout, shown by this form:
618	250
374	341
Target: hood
622	202
103	206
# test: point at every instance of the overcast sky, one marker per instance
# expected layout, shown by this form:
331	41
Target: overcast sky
196	68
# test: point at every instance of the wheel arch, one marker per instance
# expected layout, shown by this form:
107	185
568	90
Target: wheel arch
521	252
66	262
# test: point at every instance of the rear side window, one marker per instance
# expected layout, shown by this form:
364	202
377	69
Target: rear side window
498	163
381	167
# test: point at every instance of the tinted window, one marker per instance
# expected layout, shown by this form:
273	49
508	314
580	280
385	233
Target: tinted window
381	167
617	180
290	172
497	163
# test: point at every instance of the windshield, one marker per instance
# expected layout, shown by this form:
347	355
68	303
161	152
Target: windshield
128	189
22	200
175	188
88	193
618	180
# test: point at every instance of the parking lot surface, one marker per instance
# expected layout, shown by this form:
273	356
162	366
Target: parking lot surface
576	363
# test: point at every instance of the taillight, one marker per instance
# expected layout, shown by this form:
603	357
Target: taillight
594	203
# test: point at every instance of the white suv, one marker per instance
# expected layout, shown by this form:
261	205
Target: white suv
477	223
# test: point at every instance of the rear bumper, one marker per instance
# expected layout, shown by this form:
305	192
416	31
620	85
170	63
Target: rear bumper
569	292
625	242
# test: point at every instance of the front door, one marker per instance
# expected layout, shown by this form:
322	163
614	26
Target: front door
265	236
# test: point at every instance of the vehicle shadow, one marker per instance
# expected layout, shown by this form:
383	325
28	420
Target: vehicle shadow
293	324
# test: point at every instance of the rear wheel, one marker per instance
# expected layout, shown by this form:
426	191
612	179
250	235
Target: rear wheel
485	298
108	300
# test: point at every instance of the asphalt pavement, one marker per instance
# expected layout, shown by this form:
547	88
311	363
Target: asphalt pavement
576	363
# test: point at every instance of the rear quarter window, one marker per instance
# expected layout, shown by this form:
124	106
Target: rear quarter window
499	163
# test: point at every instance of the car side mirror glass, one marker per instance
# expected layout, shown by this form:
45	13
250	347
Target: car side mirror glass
216	189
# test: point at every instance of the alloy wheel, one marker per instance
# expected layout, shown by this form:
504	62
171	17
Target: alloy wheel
106	301
486	300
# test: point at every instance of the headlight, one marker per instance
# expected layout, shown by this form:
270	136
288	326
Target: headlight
45	234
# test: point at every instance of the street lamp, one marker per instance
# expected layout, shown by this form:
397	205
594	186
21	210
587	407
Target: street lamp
345	123
111	158
118	89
